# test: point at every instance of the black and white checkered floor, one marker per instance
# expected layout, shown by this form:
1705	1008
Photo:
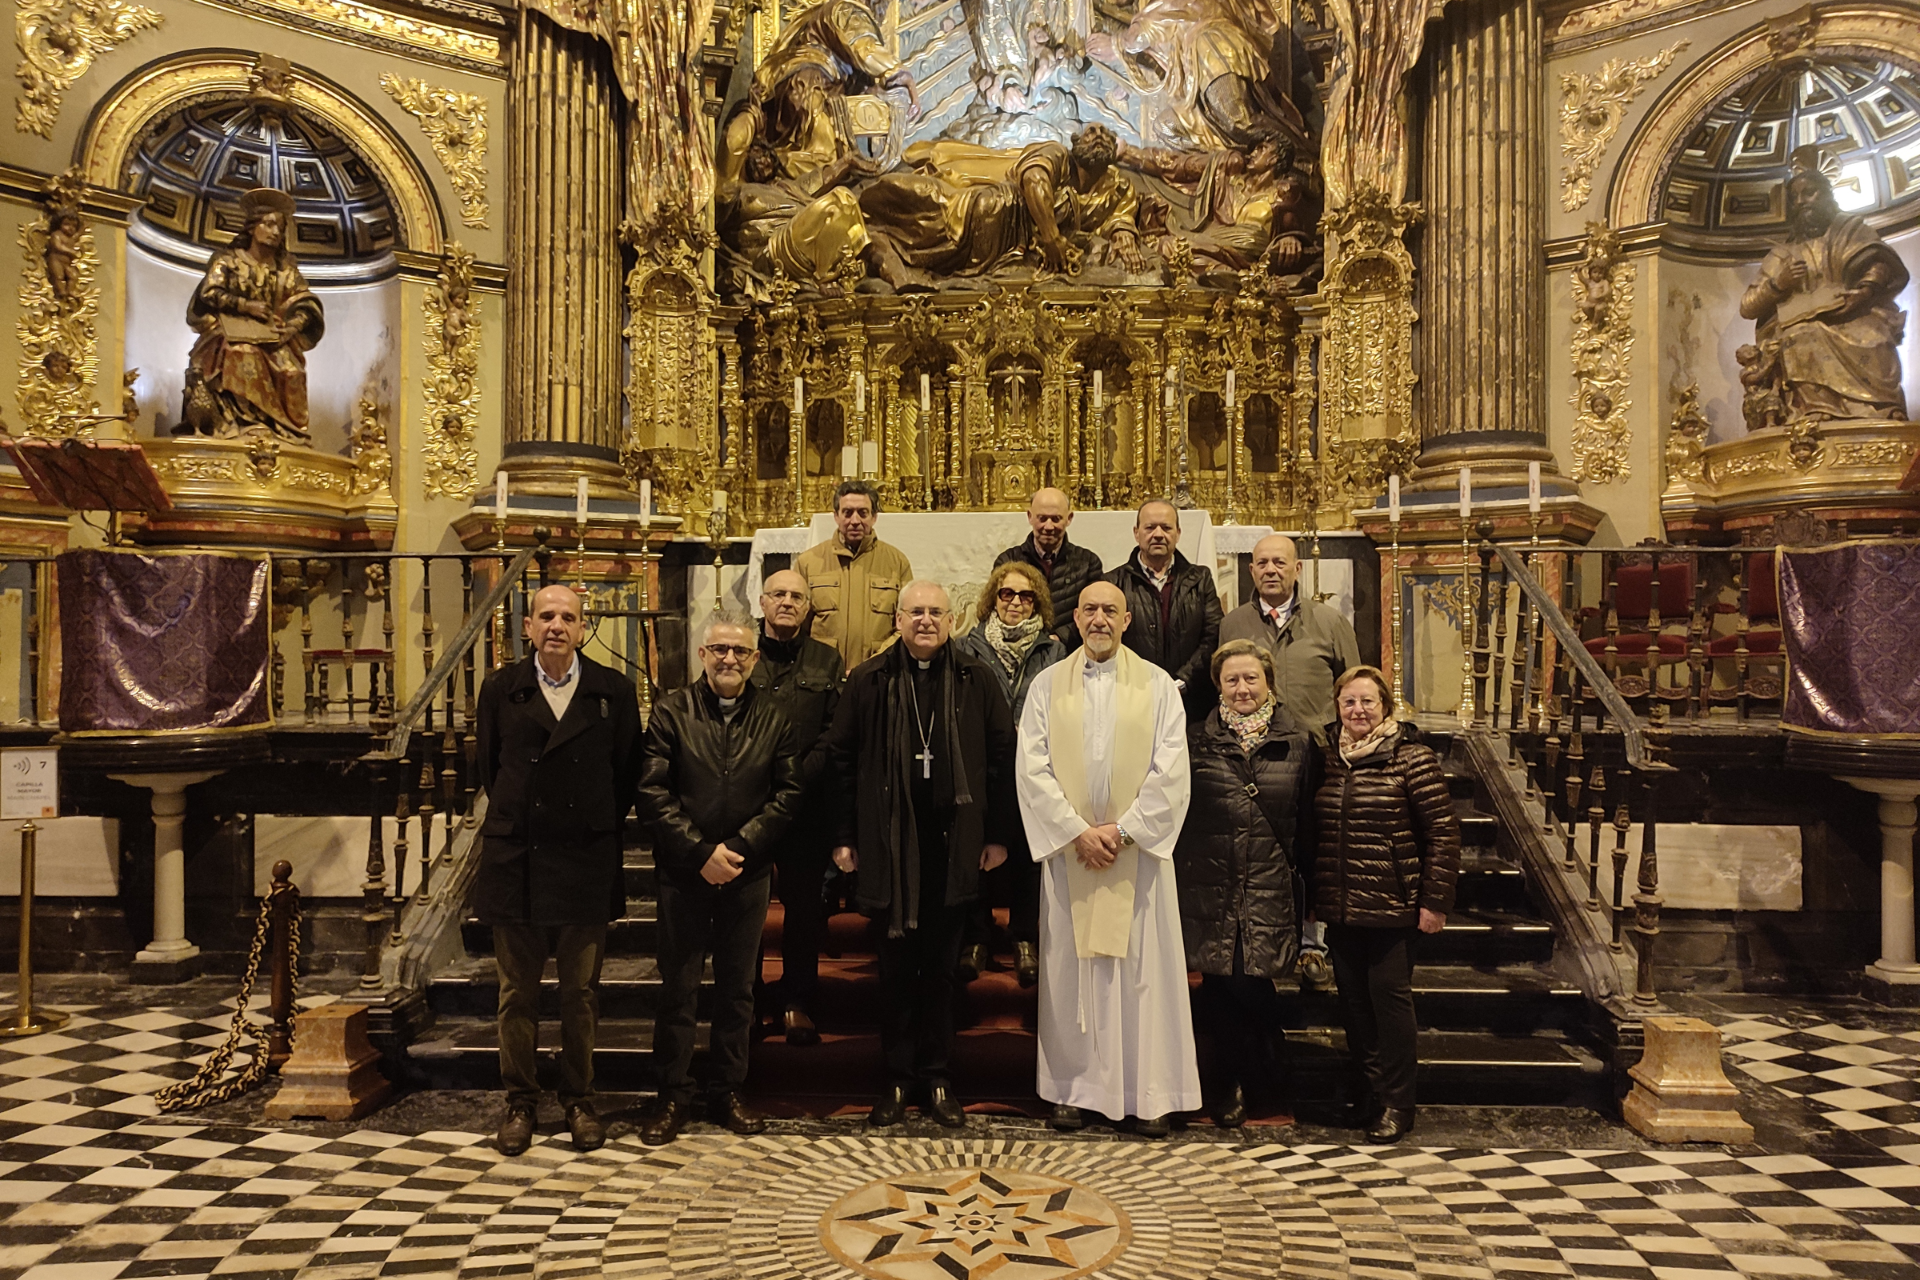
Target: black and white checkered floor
96	1185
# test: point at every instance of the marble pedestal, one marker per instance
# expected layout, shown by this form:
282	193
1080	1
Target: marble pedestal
1894	978
1680	1093
334	1073
170	957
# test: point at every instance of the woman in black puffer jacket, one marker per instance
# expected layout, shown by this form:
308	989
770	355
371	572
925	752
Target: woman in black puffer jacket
1389	853
1252	770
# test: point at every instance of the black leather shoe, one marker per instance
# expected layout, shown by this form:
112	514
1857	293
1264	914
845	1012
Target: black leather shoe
1158	1127
974	961
516	1131
890	1108
1230	1111
663	1123
944	1107
1066	1118
1026	966
1394	1124
727	1111
800	1029
587	1128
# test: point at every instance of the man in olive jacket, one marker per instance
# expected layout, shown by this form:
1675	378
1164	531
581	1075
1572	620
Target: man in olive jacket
854	578
557	744
923	747
802	677
718	785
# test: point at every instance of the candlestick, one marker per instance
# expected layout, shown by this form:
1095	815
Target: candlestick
1393	502
1533	488
1466	604
1466	493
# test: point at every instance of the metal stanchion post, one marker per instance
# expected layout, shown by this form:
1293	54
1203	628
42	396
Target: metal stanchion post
25	1020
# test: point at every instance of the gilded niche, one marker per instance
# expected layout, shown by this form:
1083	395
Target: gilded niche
456	126
452	388
58	41
1591	111
59	303
1602	345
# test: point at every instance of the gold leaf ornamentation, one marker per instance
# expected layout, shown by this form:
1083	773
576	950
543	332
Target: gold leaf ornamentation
456	125
1591	111
372	461
59	303
453	373
58	41
1602	345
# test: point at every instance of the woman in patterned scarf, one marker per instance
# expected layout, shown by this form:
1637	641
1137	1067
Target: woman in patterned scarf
1013	636
1253	769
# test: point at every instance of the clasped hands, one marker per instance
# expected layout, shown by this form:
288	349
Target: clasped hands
847	858
1097	847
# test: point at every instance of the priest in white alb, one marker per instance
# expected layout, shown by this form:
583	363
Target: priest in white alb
1103	791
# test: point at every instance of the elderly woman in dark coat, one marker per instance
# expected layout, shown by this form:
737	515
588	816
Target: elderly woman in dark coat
1389	853
1014	637
1253	769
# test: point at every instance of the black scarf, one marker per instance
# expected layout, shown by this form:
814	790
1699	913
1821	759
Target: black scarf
903	829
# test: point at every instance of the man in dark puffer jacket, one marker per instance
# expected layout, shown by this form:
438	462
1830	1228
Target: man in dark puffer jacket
1389	853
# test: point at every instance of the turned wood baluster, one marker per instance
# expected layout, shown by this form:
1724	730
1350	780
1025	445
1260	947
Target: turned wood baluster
388	703
1610	565
1500	683
401	819
1576	759
1550	761
469	739
1698	677
1483	630
1646	903
1742	620
1596	815
450	754
306	637
1520	678
373	892
1622	821
1653	636
426	784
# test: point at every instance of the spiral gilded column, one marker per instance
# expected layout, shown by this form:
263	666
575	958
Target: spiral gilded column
564	305
1482	275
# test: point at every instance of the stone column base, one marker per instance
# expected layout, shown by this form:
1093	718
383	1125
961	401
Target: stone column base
1680	1094
334	1072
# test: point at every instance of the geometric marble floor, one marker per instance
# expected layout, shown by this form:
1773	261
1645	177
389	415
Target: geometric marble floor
95	1185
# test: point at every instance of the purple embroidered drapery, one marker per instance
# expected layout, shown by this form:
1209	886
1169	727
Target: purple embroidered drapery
162	642
1851	614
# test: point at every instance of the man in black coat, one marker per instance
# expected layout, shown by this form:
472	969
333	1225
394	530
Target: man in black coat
558	740
718	785
923	747
1175	606
1069	569
802	676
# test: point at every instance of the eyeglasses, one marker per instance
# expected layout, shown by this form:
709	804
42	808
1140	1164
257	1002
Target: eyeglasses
737	652
1008	595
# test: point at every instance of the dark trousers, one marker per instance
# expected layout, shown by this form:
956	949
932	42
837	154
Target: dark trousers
695	923
520	955
1374	968
916	974
1242	1015
1016	882
803	871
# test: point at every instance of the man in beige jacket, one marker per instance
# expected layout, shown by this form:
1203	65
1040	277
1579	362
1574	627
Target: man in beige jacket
854	579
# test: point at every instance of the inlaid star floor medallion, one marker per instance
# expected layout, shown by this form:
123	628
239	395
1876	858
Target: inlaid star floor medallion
972	1223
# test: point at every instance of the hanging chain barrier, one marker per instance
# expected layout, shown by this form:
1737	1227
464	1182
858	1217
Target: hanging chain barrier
206	1087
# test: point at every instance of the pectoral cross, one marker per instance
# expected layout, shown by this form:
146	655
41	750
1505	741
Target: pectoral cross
925	756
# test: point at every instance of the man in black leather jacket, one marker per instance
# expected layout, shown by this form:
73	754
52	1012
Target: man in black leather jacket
1068	567
802	676
1175	606
719	784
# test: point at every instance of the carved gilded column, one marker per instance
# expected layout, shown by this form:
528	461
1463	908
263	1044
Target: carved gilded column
563	363
1482	267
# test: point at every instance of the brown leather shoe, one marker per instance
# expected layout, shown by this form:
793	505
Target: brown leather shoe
1026	966
589	1132
800	1029
663	1124
727	1111
516	1131
974	961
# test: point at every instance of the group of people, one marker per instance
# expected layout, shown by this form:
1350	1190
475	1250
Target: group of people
1156	788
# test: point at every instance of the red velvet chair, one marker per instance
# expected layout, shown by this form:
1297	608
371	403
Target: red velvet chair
1636	649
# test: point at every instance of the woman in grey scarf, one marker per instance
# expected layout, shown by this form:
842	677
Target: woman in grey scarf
1013	636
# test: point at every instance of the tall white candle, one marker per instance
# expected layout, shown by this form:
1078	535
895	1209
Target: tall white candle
870	457
1169	398
800	398
646	497
1393	498
926	395
859	391
1466	493
580	501
500	494
1099	389
1230	388
849	460
1533	488
719	499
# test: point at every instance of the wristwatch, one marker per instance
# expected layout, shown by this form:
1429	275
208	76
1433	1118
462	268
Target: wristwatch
1126	841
